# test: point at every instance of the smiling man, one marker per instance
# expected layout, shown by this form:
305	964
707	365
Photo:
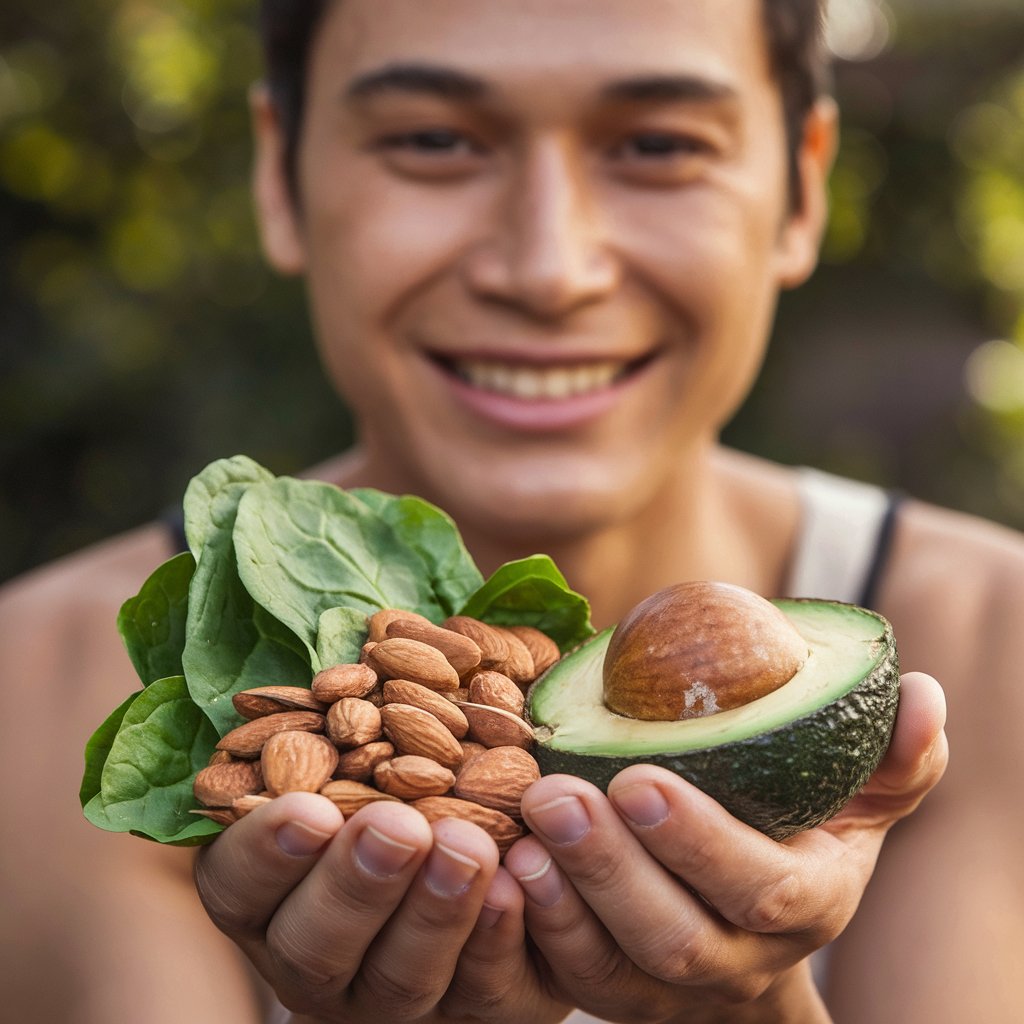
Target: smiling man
543	243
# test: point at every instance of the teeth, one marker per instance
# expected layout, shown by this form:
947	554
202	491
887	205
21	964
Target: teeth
532	383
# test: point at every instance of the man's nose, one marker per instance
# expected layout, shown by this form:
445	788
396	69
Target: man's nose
546	250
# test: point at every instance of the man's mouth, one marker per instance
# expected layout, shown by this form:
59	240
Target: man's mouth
537	383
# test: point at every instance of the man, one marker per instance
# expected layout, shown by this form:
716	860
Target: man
543	244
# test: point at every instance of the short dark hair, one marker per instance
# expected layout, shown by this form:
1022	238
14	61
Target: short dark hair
794	29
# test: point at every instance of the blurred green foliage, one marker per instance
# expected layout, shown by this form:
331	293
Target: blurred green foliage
142	335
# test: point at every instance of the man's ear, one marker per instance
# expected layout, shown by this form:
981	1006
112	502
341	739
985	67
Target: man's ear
802	232
276	213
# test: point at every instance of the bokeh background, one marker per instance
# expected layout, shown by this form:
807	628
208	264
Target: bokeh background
141	336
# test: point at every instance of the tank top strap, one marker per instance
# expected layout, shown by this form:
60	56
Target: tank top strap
845	534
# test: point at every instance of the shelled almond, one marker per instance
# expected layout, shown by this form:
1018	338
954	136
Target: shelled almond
430	715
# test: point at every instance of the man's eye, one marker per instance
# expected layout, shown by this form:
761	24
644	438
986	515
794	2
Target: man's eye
439	141
660	144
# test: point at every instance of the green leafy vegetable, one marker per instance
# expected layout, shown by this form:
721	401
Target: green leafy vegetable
532	592
146	782
279	581
152	624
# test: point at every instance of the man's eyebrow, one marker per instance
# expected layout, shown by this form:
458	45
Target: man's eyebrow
442	82
664	88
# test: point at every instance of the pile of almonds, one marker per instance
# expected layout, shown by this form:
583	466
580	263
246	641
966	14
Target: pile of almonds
430	715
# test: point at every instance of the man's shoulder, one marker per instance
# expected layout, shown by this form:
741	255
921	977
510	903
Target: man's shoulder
97	577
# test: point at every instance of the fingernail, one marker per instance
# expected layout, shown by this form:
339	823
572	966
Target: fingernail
643	804
299	840
449	872
544	885
489	917
380	855
564	821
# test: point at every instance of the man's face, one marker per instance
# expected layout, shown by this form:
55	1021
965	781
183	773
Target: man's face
543	242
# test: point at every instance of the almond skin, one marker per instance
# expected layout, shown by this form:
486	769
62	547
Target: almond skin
337	681
500	827
244	804
400	658
493	646
461	652
410	777
496	690
470	749
379	622
247	740
297	762
358	764
270	700
494	727
221	815
518	666
349	796
351	722
415	731
219	785
544	650
498	778
401	691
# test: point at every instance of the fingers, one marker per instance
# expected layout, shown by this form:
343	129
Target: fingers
496	979
757	884
407	970
245	875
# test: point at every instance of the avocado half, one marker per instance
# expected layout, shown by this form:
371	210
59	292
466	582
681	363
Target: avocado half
783	763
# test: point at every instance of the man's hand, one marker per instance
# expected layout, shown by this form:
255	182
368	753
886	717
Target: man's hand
382	917
655	902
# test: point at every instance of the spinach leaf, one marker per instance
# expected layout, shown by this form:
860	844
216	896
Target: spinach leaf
146	783
98	748
532	592
211	498
305	547
434	537
341	635
231	642
152	624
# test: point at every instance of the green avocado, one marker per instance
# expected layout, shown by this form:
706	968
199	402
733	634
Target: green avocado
785	762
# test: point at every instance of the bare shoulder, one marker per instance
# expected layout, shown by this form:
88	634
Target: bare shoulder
954	592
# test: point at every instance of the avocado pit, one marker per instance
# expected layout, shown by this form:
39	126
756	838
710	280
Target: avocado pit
698	648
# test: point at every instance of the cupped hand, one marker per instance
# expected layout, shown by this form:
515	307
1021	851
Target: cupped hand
382	917
654	903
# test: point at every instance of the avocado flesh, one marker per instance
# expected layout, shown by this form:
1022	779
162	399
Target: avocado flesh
785	762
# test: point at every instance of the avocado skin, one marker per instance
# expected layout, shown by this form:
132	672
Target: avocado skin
785	780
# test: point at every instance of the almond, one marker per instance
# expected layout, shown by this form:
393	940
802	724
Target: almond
401	691
337	681
218	785
415	731
248	739
498	778
500	827
297	762
496	690
493	646
494	727
349	796
379	622
351	722
456	696
244	804
411	776
461	652
221	757
544	650
270	700
221	815
518	666
469	750
400	658
358	764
